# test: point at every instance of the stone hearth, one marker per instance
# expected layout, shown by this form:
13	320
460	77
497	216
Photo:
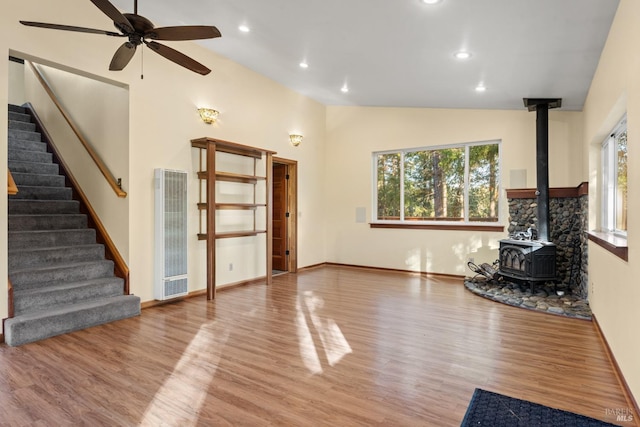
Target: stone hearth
545	297
568	222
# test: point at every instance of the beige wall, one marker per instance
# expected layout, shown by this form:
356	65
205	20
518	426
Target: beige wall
162	120
16	83
614	293
353	133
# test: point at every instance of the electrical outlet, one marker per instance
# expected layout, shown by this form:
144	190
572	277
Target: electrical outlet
230	266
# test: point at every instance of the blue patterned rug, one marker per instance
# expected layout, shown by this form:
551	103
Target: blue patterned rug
495	410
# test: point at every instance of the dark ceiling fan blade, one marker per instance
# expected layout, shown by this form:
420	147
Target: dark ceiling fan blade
122	56
185	32
120	21
69	28
178	58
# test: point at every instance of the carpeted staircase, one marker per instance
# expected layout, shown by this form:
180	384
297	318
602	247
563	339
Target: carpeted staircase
61	279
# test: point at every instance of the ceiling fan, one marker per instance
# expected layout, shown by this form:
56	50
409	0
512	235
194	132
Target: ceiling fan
139	30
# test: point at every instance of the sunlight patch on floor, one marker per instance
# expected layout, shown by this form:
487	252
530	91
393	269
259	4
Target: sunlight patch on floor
306	345
185	390
333	341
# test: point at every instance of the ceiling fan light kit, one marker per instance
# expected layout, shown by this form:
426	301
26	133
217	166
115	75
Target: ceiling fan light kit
139	30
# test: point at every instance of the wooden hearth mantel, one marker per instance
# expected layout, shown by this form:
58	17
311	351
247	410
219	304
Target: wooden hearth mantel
558	192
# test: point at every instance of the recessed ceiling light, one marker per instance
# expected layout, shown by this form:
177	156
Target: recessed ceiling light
462	55
431	1
344	88
244	28
481	88
304	64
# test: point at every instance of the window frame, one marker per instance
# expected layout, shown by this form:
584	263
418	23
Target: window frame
609	177
435	223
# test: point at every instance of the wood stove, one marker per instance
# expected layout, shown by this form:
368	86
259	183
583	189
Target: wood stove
532	260
528	260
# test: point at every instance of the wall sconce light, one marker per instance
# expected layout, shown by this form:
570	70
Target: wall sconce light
295	139
208	115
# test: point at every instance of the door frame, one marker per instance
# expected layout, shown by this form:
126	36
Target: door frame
292	208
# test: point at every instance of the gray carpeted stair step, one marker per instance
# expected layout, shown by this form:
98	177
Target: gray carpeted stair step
54	275
38	180
43	193
27	328
47	222
41	257
29	156
26	135
64	294
17	109
19	117
21	144
35	207
32	167
44	239
21	125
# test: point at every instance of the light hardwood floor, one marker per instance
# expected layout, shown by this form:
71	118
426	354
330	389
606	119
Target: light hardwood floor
331	346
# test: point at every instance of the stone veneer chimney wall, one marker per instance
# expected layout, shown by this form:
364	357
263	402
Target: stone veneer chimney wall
568	223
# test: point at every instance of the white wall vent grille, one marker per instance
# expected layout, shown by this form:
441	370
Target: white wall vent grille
170	234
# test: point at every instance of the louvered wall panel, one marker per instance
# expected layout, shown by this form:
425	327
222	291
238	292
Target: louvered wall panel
170	234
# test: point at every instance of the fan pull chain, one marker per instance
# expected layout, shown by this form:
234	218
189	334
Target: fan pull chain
142	63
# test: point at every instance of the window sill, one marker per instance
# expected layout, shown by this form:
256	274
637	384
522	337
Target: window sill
615	244
465	227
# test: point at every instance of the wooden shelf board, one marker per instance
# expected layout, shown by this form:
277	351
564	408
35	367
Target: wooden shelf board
233	206
230	147
231	234
240	206
232	177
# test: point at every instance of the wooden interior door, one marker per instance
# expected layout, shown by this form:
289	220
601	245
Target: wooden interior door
280	217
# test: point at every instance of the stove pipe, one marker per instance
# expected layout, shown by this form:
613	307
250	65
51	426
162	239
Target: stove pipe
542	107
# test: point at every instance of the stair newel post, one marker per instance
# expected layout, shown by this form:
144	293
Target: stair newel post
10	298
211	220
12	188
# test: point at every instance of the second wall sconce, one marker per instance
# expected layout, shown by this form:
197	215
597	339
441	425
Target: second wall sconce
208	115
295	139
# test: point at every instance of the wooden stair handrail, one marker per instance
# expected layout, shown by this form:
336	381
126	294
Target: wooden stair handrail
99	163
12	188
102	236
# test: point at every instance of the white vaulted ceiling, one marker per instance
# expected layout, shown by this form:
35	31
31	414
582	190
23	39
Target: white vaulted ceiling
401	52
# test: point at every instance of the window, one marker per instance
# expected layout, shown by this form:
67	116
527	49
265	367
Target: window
614	180
445	184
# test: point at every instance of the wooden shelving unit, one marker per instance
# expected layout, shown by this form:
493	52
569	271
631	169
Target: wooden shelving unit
209	174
